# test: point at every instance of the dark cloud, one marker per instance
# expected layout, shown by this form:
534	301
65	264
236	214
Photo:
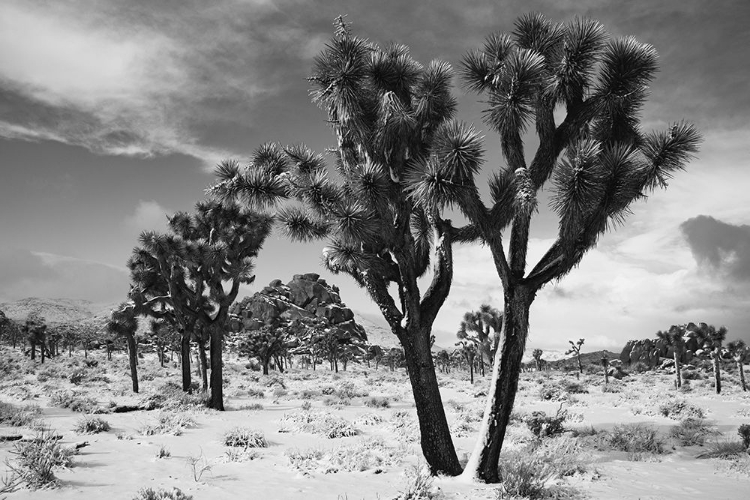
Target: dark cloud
722	247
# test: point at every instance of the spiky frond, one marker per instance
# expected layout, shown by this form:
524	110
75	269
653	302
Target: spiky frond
668	151
353	222
422	231
459	150
300	225
502	189
432	100
627	66
575	60
270	159
316	190
512	101
342	257
535	32
304	160
579	182
623	183
431	186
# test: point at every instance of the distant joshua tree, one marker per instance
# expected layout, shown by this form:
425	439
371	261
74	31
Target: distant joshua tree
537	355
675	337
483	328
740	354
468	349
605	365
123	323
575	347
712	339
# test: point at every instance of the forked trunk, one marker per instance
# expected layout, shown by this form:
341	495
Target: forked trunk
677	369
437	445
204	364
185	360
717	370
483	463
217	384
132	355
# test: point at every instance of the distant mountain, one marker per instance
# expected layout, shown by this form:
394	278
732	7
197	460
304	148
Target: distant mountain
56	310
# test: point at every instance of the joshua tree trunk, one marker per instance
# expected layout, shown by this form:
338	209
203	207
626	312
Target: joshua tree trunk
677	368
185	360
715	359
436	442
132	355
482	464
204	364
471	371
741	369
606	375
580	365
217	382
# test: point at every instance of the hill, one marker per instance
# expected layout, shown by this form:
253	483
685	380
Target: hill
56	310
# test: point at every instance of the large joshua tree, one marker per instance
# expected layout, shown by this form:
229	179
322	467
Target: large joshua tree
392	119
597	158
194	273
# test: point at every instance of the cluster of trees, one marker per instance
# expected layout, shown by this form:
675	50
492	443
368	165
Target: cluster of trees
710	341
402	160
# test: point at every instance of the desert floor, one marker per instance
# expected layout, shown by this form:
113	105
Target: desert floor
294	410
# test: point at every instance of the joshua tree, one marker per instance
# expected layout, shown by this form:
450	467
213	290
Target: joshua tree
575	347
35	331
265	344
469	351
605	365
183	274
607	164
675	338
712	339
483	327
124	323
739	352
392	118
537	355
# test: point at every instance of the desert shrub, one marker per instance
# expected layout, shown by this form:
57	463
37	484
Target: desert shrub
328	390
170	396
678	409
405	426
256	393
161	494
15	416
532	471
639	367
306	406
243	437
279	392
321	423
418	485
551	392
691	375
90	363
377	402
614	387
336	401
304	460
74	401
690	432
308	394
369	419
636	440
33	462
347	390
573	387
744	432
91	425
252	407
542	425
163	452
77	376
274	380
724	449
168	423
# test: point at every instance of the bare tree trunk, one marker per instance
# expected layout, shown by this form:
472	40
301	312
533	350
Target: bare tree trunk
716	354
483	463
677	368
741	369
437	445
185	360
471	371
203	364
217	382
132	355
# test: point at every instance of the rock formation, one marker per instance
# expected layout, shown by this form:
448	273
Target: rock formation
305	296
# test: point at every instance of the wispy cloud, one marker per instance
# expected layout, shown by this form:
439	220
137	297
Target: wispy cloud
137	80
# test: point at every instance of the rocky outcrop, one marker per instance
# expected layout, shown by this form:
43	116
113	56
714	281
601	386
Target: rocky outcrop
306	296
651	352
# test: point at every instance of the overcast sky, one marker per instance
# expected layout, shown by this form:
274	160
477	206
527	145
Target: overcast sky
113	114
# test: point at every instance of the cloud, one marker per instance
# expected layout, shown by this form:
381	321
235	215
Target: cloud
25	273
720	246
148	216
138	79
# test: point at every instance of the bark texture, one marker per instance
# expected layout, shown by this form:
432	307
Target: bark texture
133	357
217	384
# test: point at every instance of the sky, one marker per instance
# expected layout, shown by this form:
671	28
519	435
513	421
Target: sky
114	114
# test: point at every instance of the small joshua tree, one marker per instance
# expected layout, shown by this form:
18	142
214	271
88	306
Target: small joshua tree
605	365
739	352
575	347
123	323
712	339
675	337
469	351
537	355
